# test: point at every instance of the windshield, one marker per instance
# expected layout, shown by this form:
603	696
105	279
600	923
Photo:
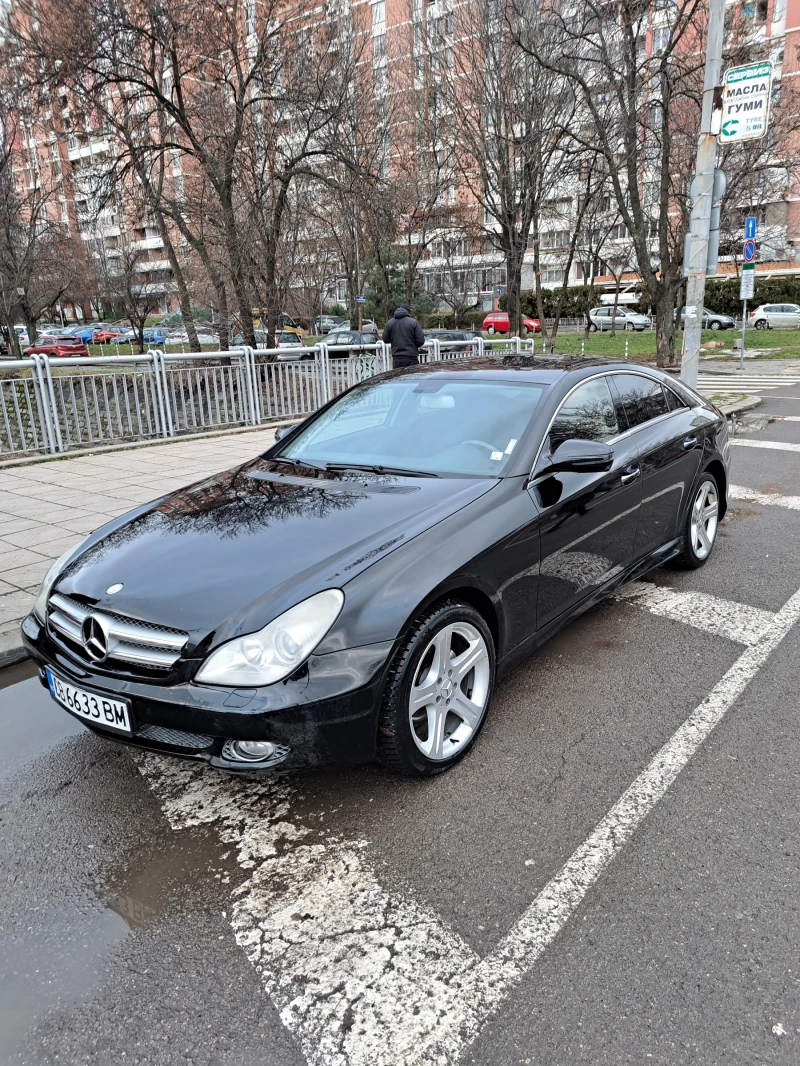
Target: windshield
436	425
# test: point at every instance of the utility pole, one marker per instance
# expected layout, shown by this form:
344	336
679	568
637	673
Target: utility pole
700	219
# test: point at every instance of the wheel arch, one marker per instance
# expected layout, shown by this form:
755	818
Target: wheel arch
717	470
469	594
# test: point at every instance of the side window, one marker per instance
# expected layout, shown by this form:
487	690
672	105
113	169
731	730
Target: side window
674	402
588	414
642	398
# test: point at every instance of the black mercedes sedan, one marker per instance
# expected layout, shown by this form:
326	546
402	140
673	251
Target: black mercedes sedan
356	591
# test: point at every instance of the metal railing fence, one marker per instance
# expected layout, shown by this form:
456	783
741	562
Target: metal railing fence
53	405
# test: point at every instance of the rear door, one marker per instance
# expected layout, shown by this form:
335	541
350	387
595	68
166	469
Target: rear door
669	448
588	520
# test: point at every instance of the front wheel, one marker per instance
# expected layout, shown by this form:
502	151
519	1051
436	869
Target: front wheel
715	324
629	326
438	691
524	331
700	527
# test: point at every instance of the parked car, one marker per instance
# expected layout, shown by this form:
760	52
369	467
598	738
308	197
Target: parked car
106	334
59	345
776	316
711	320
368	325
325	323
601	318
448	336
352	337
84	331
205	335
380	568
261	335
497	322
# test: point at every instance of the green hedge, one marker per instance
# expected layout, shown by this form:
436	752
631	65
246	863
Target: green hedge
723	296
445	320
577	302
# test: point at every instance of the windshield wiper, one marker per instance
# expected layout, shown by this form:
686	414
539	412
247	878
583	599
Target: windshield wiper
377	469
297	462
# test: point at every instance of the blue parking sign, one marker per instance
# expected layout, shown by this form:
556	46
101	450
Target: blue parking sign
750	228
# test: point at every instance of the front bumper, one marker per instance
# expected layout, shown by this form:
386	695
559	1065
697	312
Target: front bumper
326	716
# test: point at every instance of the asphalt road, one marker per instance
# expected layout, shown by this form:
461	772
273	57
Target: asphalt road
154	913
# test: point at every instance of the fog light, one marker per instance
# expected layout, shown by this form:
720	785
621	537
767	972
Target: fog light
252	750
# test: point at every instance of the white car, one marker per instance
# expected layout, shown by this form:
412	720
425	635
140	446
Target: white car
603	318
776	316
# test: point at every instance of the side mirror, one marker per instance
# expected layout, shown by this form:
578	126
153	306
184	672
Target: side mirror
284	431
576	456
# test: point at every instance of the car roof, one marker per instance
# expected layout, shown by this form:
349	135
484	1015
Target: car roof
542	369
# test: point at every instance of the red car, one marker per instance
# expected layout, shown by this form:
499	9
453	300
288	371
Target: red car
58	346
107	334
497	322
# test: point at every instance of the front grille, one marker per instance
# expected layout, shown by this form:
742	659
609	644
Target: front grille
175	737
140	644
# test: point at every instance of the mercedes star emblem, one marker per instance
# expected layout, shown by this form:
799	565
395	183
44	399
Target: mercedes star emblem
94	637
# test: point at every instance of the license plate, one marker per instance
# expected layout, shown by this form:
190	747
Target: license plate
91	706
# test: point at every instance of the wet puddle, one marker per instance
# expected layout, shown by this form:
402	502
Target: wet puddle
79	886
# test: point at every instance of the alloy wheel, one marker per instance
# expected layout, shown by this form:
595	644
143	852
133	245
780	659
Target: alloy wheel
705	518
450	691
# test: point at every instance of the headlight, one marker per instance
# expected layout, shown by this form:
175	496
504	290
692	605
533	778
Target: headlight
40	607
276	650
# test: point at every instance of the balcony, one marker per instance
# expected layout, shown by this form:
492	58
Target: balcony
145	243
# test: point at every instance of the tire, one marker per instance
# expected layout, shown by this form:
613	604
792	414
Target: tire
408	740
762	324
524	331
714	324
697	549
629	326
592	327
491	331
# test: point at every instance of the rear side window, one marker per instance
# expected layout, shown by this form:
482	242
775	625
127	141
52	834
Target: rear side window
642	398
674	402
588	414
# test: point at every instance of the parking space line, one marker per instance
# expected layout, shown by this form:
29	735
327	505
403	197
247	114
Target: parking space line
769	499
724	618
777	445
365	978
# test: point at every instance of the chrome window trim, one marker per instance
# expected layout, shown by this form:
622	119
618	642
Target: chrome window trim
620	436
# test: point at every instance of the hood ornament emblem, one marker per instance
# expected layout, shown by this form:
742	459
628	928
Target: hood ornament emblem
94	637
112	589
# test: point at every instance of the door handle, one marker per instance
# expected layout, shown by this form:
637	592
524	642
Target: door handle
690	442
632	475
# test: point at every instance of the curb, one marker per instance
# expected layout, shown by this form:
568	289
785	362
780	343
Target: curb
747	404
12	650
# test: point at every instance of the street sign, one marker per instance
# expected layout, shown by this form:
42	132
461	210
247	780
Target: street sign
749	251
498	291
750	228
745	102
748	281
361	299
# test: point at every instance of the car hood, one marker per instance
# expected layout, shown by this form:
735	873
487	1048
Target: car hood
228	554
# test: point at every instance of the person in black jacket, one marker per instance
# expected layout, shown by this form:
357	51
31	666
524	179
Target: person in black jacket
405	335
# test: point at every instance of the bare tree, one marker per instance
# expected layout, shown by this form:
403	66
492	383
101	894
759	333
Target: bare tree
510	113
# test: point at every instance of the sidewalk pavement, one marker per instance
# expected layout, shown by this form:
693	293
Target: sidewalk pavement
46	507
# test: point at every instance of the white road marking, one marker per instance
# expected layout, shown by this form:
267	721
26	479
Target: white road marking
789	418
724	618
365	978
739	492
776	445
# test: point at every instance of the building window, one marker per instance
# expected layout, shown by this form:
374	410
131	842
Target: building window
552	276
